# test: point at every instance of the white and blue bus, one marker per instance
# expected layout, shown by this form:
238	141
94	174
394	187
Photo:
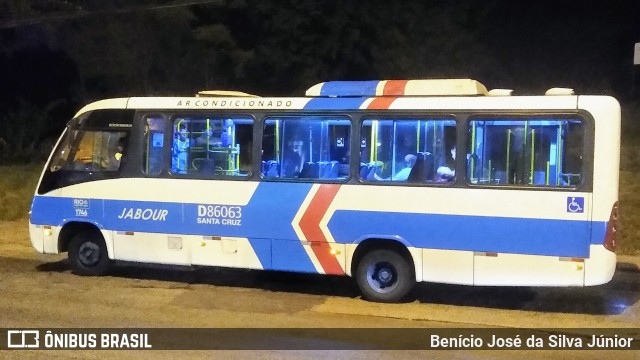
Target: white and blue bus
390	182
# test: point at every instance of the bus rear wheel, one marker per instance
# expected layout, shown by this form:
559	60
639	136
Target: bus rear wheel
385	276
88	254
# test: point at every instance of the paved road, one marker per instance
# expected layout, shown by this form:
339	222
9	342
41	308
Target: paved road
40	291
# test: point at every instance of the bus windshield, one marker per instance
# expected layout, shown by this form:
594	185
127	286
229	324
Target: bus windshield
89	151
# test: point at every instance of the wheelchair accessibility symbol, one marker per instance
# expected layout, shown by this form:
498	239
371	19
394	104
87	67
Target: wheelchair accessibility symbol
575	204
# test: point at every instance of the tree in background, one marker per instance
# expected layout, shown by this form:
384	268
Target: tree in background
128	54
25	132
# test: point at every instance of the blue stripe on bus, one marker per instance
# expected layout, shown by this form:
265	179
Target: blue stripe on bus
266	222
598	232
266	218
291	256
268	215
349	88
335	103
468	233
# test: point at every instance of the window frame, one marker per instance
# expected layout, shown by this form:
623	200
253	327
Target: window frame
284	115
462	118
408	116
169	117
588	125
101	120
141	133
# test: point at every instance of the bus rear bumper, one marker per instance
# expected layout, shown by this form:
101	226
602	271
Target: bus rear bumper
600	266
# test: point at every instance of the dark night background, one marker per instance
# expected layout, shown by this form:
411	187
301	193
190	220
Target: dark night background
56	56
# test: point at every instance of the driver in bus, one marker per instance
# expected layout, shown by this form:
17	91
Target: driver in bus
119	152
113	162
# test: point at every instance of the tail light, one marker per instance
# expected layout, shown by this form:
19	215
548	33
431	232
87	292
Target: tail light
611	236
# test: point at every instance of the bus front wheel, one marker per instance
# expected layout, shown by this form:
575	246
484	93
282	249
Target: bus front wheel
384	276
88	254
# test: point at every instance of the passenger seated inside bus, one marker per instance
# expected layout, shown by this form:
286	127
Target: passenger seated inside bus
208	139
447	172
368	171
422	170
293	159
403	174
216	135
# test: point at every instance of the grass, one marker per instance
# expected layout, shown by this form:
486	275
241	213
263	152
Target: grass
17	186
629	202
629	195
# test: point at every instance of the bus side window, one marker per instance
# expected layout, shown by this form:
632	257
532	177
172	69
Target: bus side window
212	146
408	150
306	147
271	148
531	152
153	145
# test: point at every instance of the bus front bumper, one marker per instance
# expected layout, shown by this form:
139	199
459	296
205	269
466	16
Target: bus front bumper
44	238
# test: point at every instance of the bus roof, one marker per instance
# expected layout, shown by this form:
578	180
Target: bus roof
416	94
432	87
223	93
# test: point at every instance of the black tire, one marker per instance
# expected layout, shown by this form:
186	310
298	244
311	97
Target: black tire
88	254
385	276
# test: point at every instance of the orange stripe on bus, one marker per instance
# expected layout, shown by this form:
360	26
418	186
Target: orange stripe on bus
381	103
394	87
310	226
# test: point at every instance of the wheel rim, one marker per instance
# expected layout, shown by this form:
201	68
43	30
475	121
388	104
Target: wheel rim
89	254
382	277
